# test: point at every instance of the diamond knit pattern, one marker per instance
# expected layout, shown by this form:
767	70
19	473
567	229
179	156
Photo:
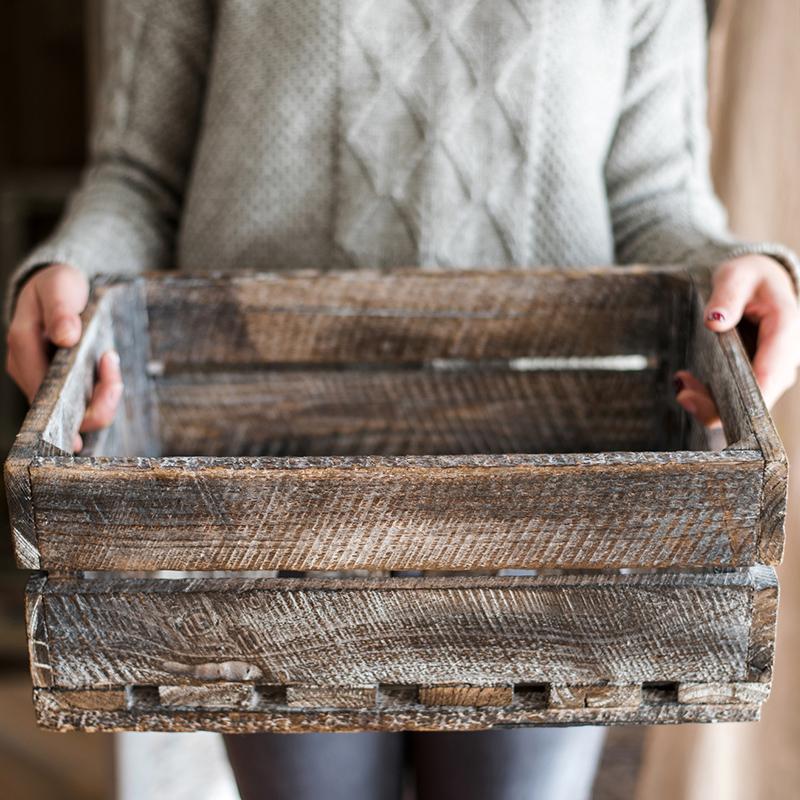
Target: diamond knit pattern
436	127
286	134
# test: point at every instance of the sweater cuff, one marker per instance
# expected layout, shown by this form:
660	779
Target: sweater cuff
40	258
717	252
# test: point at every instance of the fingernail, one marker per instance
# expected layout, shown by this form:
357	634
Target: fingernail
114	356
116	389
679	385
715	316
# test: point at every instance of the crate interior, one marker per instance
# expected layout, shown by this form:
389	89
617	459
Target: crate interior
293	366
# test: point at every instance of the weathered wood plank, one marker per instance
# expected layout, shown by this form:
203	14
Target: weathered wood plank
20	501
563	629
38	638
331	696
43	431
466	695
69	381
96	700
597	696
469	408
764	615
456	513
219	696
721	362
54	714
135	429
718	693
405	315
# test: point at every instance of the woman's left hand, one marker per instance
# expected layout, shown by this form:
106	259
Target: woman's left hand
759	289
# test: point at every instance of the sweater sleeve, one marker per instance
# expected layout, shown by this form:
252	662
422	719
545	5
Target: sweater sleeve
123	217
662	202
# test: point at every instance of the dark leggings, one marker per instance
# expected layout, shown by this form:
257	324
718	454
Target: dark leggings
502	764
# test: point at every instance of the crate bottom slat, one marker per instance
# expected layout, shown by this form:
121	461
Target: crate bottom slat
66	710
562	629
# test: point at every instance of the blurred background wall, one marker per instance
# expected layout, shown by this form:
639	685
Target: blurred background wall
47	67
754	113
50	59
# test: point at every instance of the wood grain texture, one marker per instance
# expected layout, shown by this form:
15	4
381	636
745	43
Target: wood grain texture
445	512
405	315
20	502
93	699
331	696
38	638
764	616
70	379
720	361
717	693
53	713
598	696
465	695
220	696
475	407
412	421
135	429
48	427
560	629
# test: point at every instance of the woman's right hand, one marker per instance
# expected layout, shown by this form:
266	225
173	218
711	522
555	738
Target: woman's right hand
48	309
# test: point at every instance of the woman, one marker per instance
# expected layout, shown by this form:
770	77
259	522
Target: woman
357	133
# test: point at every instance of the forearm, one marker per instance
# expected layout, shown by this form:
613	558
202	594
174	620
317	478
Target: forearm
113	224
661	199
125	214
668	234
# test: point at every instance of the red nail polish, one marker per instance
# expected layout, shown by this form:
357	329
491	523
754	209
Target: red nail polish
679	385
716	316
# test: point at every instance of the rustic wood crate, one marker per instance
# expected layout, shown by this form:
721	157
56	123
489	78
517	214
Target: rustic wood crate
410	500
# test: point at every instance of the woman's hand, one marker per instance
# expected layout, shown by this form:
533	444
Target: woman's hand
759	289
48	310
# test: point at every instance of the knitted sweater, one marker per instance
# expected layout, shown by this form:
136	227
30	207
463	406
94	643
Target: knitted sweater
282	134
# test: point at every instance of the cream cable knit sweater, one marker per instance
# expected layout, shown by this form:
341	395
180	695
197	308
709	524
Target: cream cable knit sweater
279	134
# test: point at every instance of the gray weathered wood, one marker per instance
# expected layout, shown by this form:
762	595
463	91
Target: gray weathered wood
444	512
38	637
48	428
135	429
721	361
472	407
562	629
717	693
71	377
53	712
405	315
435	421
596	696
331	696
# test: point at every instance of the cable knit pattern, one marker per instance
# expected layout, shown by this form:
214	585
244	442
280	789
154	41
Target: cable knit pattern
275	134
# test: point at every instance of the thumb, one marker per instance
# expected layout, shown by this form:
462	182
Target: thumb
733	287
63	293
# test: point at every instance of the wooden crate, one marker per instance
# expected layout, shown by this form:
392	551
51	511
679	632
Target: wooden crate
409	500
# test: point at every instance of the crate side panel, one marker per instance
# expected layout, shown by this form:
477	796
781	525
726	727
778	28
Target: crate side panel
457	513
398	412
561	629
134	431
721	361
404	316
